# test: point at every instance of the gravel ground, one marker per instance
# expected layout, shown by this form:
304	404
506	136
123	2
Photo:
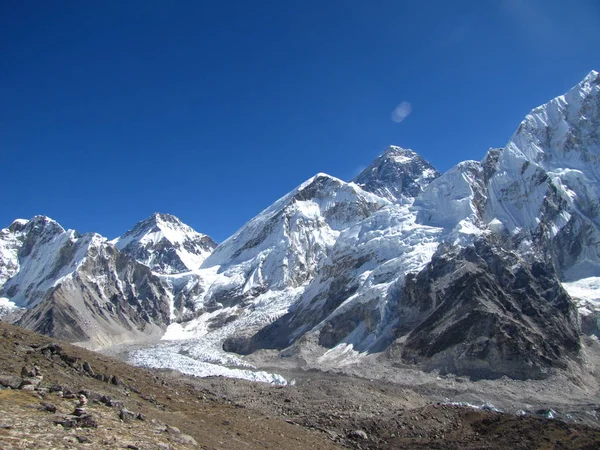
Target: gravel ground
369	406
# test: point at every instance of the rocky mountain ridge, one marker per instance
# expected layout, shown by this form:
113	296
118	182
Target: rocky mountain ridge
434	270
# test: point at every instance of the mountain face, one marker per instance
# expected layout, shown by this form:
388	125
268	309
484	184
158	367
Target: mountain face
470	272
484	312
519	222
79	287
166	245
259	272
398	174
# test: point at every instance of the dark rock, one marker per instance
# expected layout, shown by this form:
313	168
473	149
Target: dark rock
71	360
10	381
108	401
90	395
80	411
87	422
49	407
66	423
33	381
391	179
483	312
49	350
126	415
88	368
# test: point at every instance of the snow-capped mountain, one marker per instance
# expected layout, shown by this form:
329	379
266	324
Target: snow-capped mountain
532	201
277	252
461	272
398	174
166	245
79	287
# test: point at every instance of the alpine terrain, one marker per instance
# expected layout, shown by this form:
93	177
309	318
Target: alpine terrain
489	270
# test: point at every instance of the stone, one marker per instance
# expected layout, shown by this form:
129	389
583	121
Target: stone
185	439
111	402
80	412
10	381
125	415
49	407
88	368
358	434
87	422
34	381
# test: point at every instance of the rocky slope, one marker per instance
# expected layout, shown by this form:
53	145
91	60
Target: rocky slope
53	395
483	312
56	395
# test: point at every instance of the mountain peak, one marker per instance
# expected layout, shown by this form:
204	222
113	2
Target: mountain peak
18	225
165	244
164	217
397	174
397	150
562	133
592	77
42	224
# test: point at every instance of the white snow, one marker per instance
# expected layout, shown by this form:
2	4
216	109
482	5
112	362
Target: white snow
6	306
487	406
585	289
10	243
586	293
166	358
402	159
151	232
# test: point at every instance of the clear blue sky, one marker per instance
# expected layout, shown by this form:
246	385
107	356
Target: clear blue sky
112	110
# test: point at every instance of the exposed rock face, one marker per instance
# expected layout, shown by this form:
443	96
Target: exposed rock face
166	245
484	312
397	174
81	289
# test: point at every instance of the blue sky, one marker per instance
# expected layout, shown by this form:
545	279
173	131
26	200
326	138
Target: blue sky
110	111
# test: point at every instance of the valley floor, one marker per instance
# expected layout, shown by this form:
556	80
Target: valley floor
321	410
